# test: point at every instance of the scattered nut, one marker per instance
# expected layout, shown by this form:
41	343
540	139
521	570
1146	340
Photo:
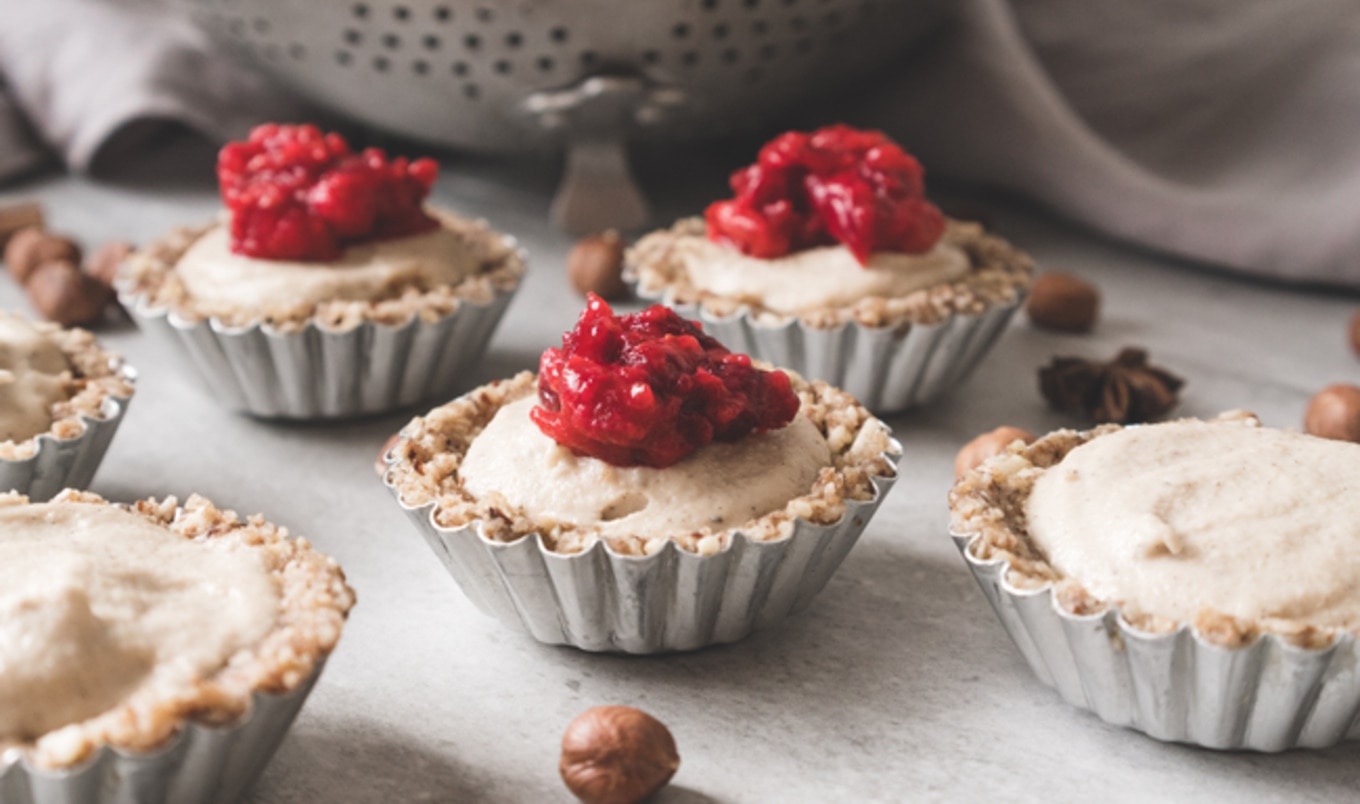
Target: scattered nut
595	265
60	292
987	445
31	247
17	217
617	755
1063	302
1334	412
1355	334
103	264
380	465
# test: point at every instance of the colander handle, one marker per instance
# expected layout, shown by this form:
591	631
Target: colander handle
597	190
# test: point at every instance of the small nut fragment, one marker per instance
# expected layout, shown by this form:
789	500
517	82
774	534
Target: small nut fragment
60	292
617	755
1063	302
31	247
17	217
595	265
985	446
1355	334
1334	412
103	264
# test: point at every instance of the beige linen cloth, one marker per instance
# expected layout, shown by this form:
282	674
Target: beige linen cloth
1224	131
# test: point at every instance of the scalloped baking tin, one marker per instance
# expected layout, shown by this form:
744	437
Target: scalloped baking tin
202	764
61	463
1268	696
673	600
320	373
888	369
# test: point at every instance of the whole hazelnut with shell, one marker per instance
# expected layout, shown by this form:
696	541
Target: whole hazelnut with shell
32	247
1334	412
595	265
1063	302
60	292
617	755
985	446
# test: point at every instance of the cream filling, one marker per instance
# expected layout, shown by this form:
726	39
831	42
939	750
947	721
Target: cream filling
97	604
1171	519
817	278
720	486
215	276
33	376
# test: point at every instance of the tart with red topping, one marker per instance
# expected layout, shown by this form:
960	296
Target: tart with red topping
642	435
832	229
319	240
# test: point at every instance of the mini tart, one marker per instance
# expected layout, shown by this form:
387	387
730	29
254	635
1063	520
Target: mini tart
313	603
988	505
423	470
150	279
999	275
97	377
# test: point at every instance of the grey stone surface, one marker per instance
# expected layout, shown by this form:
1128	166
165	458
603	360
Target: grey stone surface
896	685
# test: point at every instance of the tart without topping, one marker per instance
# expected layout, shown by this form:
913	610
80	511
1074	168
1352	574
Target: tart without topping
49	379
121	623
1226	525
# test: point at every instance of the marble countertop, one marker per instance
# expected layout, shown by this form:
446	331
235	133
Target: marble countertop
898	683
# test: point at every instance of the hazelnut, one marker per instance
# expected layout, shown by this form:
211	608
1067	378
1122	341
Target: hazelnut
617	755
31	247
595	265
103	264
985	446
61	293
1063	302
17	217
1355	334
1334	412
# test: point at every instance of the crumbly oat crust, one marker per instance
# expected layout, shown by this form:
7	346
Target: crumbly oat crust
1000	272
424	470
149	277
313	603
988	505
96	376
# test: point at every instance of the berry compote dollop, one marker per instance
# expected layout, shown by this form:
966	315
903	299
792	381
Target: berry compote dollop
651	388
836	184
296	193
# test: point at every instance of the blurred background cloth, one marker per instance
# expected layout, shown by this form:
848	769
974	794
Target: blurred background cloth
1224	131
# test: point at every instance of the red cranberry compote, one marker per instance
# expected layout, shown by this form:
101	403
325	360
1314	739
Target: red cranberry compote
651	388
837	184
296	193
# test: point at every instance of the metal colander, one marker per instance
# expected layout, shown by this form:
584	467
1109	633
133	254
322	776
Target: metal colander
587	75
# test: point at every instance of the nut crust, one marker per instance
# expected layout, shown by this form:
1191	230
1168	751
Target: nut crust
1000	272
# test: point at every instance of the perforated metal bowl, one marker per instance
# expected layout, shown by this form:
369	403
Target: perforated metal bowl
588	74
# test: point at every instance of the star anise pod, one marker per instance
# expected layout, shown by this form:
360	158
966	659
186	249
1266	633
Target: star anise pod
1127	389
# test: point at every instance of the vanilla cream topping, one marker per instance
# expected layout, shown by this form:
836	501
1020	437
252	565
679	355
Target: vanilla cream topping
720	486
829	276
216	276
98	603
1172	519
33	376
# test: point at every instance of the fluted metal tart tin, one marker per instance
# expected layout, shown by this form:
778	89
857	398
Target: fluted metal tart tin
888	369
1266	696
673	600
200	765
321	373
60	463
